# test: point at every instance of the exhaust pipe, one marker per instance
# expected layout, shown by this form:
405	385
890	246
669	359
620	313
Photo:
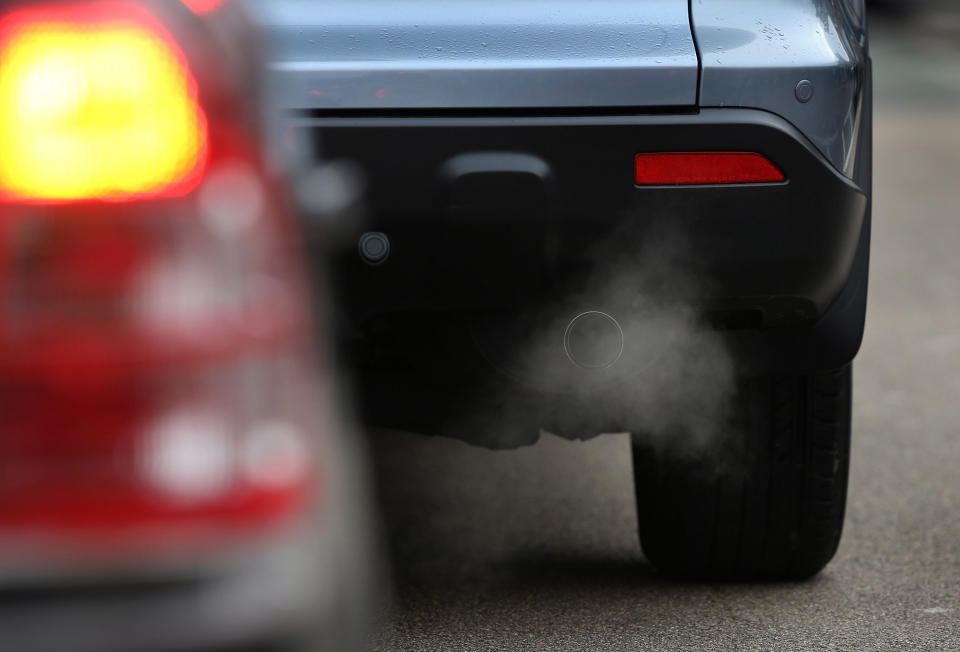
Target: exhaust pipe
593	340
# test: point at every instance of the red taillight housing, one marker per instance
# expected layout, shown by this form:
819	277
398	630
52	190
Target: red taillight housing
154	338
704	168
204	6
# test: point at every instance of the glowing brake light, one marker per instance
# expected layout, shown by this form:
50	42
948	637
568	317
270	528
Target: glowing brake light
97	102
704	168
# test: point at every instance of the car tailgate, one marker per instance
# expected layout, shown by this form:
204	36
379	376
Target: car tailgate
442	54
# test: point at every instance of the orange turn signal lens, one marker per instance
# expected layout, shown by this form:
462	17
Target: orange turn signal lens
96	102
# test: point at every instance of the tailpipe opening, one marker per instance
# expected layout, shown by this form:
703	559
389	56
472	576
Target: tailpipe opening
593	340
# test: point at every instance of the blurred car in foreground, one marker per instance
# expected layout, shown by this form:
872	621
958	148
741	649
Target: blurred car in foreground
172	472
647	217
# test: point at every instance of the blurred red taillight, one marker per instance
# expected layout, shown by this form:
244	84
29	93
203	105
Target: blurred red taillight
704	168
98	103
154	326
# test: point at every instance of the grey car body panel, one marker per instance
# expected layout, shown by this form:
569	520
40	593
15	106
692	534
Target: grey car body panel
755	52
420	55
436	54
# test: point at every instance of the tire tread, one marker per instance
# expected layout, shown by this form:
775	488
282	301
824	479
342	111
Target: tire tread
779	519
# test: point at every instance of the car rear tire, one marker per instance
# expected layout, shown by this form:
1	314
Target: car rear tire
770	504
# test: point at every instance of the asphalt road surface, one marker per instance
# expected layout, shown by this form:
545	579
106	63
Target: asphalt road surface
536	549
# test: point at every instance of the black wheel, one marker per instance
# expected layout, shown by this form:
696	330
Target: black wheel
766	502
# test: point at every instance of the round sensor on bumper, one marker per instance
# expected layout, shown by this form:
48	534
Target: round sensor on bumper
374	248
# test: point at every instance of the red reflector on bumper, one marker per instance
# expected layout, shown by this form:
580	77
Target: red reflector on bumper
704	168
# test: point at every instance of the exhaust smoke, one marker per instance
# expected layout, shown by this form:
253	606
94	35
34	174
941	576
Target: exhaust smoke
635	357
